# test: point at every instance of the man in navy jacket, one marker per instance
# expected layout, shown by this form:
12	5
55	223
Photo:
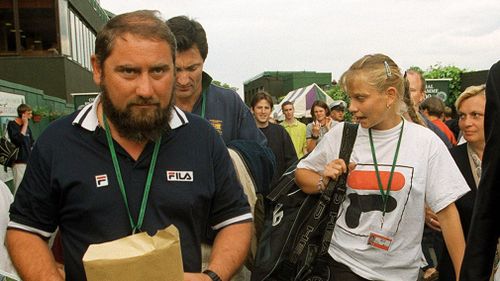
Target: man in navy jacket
485	227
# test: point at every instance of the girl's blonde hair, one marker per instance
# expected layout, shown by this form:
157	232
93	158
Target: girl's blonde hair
382	72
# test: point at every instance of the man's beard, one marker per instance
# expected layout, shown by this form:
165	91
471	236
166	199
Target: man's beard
136	124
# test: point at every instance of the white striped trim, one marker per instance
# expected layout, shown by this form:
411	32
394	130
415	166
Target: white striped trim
178	118
233	220
29	229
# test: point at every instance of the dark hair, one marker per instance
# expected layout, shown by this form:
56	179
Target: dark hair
322	104
188	33
261	95
433	105
144	23
22	108
448	112
286	103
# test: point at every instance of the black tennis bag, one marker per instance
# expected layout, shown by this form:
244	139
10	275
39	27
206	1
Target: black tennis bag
8	153
298	227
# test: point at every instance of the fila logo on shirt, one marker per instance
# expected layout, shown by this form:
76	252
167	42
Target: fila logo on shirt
101	180
180	176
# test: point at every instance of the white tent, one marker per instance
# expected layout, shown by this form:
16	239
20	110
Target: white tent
302	100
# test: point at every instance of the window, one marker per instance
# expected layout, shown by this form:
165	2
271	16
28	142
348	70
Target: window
30	29
72	32
82	40
7	27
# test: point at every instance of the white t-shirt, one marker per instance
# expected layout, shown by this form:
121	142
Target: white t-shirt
6	198
425	172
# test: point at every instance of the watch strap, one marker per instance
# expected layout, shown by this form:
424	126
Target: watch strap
212	275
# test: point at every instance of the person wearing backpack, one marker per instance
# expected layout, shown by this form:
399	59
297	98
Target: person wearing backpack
392	175
20	135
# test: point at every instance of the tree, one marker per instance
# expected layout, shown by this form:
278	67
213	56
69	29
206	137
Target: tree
224	85
220	84
336	93
417	69
438	71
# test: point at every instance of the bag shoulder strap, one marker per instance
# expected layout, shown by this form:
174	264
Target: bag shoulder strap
348	138
339	188
333	190
286	182
6	131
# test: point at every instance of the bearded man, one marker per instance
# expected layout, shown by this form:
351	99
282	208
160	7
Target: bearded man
131	152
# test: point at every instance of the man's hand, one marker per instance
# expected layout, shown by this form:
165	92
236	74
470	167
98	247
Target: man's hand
25	117
316	128
328	123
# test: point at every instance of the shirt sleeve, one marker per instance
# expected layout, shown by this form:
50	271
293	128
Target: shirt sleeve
326	151
36	202
303	147
309	131
446	183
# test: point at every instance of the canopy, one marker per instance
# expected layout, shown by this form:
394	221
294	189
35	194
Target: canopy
302	100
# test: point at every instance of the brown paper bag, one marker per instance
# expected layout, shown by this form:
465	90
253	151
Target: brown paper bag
136	257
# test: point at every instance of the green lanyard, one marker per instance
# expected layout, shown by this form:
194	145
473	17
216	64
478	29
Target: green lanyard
385	195
135	226
203	104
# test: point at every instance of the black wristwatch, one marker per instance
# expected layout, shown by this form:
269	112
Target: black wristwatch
314	137
212	275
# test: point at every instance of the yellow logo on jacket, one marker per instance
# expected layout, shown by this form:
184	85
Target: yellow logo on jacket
217	124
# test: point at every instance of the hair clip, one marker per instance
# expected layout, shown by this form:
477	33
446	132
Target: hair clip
387	69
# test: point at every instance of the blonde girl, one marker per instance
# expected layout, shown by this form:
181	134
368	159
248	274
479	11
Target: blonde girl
396	167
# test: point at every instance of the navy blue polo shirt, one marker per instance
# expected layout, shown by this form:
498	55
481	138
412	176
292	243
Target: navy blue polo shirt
227	113
70	182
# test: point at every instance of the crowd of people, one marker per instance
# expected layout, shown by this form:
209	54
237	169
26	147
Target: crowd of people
103	172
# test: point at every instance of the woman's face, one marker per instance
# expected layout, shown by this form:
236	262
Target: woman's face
370	108
471	118
319	113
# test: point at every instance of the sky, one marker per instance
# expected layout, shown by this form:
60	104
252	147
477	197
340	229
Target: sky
246	38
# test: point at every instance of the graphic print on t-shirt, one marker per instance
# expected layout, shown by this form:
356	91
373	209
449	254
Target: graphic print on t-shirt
364	203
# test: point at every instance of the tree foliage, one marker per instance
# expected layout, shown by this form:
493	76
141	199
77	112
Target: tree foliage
336	93
220	84
455	73
224	85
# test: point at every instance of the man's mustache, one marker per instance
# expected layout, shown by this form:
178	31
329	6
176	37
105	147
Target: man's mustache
143	101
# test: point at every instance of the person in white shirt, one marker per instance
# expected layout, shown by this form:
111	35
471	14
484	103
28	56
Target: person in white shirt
320	124
392	175
6	267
